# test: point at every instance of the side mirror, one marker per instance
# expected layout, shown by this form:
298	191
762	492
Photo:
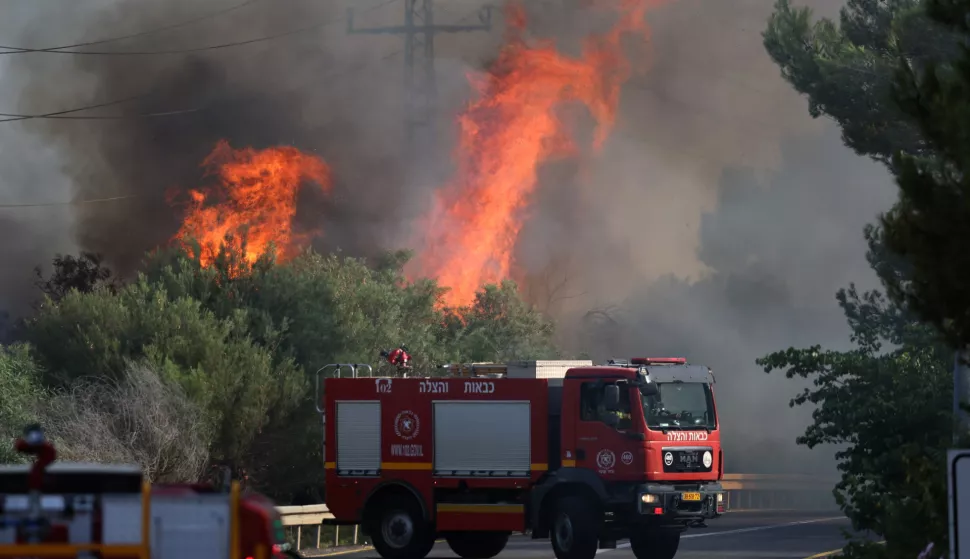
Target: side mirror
612	419
611	397
649	389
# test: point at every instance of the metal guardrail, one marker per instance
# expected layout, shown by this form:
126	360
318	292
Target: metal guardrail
314	515
779	491
744	492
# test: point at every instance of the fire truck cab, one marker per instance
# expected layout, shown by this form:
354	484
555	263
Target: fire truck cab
72	510
584	455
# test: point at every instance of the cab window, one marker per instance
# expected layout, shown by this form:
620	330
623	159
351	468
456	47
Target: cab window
592	407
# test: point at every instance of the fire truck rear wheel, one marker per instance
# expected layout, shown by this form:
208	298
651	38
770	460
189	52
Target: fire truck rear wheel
574	531
399	530
655	545
477	545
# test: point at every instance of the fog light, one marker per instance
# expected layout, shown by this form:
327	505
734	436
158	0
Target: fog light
649	499
720	498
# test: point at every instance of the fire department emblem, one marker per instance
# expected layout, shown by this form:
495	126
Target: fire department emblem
627	458
669	459
606	459
407	425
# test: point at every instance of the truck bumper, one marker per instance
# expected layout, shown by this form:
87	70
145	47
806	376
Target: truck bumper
665	502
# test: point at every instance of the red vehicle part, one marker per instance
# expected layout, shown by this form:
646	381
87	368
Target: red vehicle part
55	510
476	458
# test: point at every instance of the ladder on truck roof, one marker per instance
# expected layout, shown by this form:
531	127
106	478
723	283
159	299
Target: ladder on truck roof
335	370
516	369
476	369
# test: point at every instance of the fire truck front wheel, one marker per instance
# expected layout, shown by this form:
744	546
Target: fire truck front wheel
574	531
655	545
398	530
477	545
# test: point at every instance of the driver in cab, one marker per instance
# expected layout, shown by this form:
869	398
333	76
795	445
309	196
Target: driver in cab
624	413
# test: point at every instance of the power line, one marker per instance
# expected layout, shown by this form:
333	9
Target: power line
19	50
265	38
60	115
132	196
71	203
10	117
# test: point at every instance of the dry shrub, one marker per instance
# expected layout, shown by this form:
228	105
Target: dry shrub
140	419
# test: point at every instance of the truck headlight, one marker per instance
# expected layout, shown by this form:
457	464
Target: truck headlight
649	499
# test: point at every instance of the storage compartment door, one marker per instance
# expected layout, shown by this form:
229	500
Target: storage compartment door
358	438
482	438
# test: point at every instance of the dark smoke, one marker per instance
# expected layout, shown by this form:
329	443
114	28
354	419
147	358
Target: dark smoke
323	92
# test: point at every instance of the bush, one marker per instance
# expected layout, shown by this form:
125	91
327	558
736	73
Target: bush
139	419
21	397
241	386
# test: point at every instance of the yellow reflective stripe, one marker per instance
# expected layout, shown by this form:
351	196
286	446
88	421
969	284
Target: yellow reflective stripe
481	509
568	463
330	465
539	467
405	465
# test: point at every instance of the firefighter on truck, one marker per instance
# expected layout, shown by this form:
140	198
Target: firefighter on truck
583	455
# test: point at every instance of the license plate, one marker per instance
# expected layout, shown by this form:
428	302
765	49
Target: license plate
691	496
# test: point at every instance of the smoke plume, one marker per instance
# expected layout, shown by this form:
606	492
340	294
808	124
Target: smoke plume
717	222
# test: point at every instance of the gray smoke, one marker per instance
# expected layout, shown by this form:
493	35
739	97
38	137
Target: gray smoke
717	223
776	250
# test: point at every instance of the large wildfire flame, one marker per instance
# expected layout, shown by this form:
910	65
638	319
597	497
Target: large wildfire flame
254	200
506	135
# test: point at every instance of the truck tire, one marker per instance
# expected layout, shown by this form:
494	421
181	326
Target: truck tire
477	545
574	529
399	530
655	545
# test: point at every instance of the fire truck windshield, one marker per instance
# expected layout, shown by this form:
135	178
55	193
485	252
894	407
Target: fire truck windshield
680	405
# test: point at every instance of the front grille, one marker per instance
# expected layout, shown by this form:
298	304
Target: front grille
687	459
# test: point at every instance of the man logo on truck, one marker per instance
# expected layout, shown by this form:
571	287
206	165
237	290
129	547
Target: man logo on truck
669	458
407	425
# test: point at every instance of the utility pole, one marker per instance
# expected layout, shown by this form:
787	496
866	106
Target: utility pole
420	82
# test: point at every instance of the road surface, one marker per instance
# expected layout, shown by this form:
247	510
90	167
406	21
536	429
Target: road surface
738	535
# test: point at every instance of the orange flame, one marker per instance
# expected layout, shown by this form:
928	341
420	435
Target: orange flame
506	135
254	200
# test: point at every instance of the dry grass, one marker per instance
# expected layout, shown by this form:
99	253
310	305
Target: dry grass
140	419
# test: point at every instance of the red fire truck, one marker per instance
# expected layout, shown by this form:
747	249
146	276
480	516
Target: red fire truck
585	455
70	510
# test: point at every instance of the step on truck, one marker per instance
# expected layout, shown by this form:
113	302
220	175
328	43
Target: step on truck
584	455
